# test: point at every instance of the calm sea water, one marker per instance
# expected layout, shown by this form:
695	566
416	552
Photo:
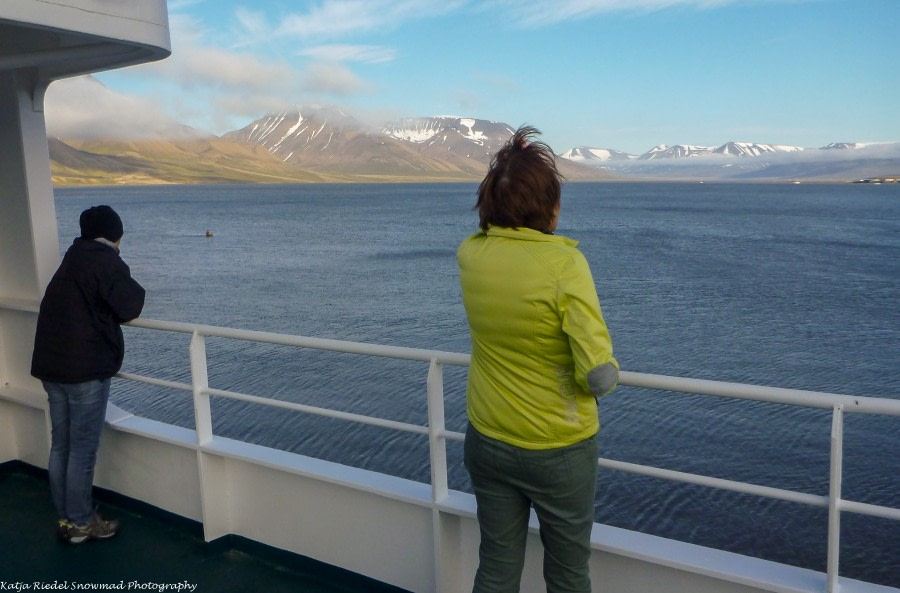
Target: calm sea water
785	285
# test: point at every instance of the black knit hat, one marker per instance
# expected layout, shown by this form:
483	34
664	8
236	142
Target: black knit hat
101	221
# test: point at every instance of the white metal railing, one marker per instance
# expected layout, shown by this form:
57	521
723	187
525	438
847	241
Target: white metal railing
438	434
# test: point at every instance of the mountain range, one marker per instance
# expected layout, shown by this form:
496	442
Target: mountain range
324	144
748	161
663	151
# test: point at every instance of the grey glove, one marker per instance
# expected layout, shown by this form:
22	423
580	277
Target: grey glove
602	379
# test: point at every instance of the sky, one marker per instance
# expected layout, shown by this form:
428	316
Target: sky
619	74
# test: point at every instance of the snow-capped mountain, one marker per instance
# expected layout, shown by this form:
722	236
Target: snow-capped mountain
474	138
596	156
742	149
584	154
288	134
443	147
748	160
326	144
298	135
450	147
664	151
470	141
856	145
327	139
842	146
753	149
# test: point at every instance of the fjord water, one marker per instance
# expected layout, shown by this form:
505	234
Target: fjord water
785	285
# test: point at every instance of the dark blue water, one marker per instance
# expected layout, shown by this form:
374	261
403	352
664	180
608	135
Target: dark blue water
786	285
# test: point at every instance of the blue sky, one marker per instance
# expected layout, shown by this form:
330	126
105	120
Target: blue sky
620	74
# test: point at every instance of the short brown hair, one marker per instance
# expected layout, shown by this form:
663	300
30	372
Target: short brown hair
522	186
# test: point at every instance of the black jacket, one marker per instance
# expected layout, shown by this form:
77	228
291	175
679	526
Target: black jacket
78	335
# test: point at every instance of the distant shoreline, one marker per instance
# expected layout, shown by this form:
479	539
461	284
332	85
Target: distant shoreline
873	181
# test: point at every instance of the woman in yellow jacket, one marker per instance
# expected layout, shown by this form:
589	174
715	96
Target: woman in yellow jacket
541	355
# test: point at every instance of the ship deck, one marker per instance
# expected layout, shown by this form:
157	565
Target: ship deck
153	548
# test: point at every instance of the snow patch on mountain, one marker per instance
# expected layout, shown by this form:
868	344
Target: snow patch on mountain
421	130
291	131
753	149
415	129
664	151
857	145
465	137
476	136
597	156
269	125
584	154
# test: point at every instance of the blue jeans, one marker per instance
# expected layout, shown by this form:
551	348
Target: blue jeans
77	412
560	484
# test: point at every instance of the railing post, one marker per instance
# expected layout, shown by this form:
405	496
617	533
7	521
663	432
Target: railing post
437	446
834	499
199	383
436	441
213	501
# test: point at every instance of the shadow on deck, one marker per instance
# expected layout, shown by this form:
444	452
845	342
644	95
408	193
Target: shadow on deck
154	548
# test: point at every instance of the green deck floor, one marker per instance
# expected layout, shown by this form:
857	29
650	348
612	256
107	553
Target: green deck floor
153	548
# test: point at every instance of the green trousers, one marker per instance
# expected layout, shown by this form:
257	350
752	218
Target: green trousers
560	484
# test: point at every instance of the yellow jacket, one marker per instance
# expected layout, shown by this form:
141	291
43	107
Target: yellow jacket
537	331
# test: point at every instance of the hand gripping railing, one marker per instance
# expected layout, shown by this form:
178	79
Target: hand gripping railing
438	434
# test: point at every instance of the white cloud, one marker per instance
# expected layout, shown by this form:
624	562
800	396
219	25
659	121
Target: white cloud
83	108
253	24
221	89
337	18
231	112
207	66
371	54
219	79
186	30
195	62
333	78
535	14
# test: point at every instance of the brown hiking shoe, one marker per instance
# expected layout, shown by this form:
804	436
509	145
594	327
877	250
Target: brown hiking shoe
96	529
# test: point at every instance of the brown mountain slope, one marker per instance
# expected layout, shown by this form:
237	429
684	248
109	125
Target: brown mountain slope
276	149
219	160
211	160
327	140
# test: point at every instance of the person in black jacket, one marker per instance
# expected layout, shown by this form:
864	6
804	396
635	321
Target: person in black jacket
78	347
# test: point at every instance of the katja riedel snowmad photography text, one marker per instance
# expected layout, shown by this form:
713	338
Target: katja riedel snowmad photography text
57	585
